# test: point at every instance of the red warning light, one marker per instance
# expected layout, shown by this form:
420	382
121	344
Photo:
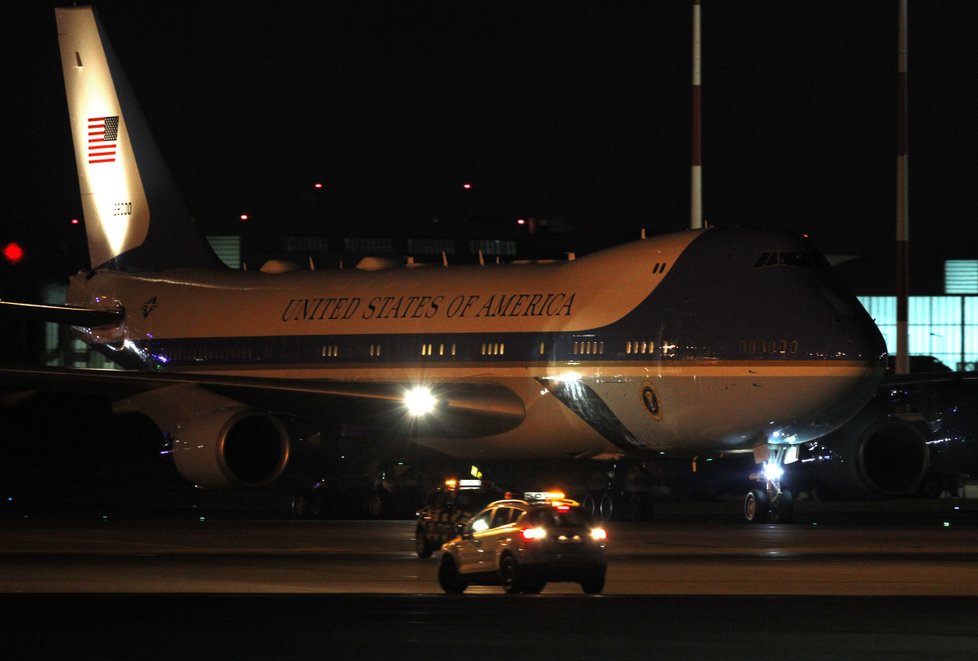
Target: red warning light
244	217
318	185
521	221
13	253
467	186
75	221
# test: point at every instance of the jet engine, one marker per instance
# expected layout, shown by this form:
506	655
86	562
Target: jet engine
229	448
875	455
215	442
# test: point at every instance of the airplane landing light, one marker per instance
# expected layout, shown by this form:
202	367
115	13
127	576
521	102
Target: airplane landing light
419	401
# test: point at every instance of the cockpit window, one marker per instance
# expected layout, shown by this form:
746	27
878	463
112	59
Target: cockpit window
791	258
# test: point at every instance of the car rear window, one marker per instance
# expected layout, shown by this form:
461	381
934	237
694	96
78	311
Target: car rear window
554	518
474	500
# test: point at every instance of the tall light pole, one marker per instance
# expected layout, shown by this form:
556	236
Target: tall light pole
696	174
902	364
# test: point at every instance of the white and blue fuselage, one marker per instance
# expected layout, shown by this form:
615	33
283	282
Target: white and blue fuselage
706	340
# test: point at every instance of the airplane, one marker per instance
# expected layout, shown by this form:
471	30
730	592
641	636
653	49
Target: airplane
719	340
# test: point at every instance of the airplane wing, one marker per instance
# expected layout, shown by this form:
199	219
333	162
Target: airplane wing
464	409
63	314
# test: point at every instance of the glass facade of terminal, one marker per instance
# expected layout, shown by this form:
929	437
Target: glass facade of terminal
945	327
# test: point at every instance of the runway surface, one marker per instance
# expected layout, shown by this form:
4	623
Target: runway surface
873	585
371	557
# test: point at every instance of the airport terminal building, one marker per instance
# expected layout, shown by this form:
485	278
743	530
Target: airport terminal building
945	327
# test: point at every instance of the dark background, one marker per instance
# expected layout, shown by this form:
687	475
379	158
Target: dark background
577	113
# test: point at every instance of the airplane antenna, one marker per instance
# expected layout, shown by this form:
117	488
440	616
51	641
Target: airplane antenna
444	258
312	264
643	233
696	174
902	364
482	260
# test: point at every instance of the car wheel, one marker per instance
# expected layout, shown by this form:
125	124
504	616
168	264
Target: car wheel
448	577
510	575
593	583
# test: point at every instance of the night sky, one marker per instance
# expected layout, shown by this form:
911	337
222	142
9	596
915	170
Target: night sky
573	111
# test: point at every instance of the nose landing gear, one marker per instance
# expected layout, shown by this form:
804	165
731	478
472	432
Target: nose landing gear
770	502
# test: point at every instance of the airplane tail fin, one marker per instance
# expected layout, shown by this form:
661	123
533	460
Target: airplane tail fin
135	218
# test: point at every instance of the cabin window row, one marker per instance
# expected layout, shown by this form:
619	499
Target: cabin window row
493	348
443	349
639	347
588	348
431	349
769	346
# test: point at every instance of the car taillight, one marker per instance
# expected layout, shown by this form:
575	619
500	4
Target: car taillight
533	533
599	534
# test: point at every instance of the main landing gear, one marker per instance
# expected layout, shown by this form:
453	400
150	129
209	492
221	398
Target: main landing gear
769	502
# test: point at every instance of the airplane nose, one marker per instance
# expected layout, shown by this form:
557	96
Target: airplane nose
855	335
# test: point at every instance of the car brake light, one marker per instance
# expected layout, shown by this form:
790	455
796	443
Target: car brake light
533	533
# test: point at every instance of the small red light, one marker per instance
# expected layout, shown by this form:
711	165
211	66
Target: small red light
521	221
244	217
74	221
13	252
467	186
563	508
317	185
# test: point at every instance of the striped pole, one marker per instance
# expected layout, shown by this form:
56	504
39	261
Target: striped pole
696	176
902	365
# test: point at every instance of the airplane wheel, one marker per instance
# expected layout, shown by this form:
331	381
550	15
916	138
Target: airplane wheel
589	503
307	505
756	506
783	510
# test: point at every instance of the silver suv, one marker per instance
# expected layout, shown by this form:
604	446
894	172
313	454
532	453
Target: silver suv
523	544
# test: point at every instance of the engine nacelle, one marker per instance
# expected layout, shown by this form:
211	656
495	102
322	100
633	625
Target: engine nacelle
874	455
230	448
216	442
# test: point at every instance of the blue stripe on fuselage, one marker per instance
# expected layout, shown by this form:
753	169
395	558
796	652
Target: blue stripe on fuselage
721	301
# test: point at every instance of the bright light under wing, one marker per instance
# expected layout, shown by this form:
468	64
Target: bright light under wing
419	401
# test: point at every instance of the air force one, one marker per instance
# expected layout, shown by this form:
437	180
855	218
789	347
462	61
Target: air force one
715	340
